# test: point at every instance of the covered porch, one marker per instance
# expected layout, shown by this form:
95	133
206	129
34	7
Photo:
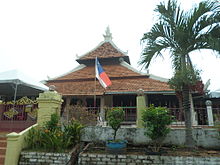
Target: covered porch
100	103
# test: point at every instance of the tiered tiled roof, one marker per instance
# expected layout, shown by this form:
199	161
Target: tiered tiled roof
87	87
124	78
89	72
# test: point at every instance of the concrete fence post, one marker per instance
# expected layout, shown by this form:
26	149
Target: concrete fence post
141	106
49	103
209	112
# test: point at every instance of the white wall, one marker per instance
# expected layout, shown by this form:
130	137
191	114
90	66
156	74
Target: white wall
204	137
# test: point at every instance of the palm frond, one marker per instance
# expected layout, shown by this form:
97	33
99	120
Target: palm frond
159	38
170	13
151	51
203	15
209	40
214	39
182	32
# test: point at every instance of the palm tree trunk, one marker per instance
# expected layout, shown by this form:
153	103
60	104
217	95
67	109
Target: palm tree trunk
186	106
188	122
179	96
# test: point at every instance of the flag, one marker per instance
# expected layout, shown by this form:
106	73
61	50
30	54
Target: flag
101	75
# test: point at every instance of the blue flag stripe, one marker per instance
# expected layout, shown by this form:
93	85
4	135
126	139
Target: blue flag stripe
100	70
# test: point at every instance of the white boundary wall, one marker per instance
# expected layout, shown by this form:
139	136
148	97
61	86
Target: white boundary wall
204	137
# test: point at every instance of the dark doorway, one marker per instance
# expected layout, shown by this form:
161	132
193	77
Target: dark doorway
91	103
124	101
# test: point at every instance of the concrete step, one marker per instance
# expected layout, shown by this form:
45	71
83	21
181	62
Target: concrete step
2	150
3	143
2	160
3	138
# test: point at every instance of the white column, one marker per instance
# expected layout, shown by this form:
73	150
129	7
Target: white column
102	110
209	112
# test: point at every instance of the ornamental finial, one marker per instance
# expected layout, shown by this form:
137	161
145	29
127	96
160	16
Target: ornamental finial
108	34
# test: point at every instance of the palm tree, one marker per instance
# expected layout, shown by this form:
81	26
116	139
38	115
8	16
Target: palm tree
182	32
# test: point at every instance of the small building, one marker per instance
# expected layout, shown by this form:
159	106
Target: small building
80	85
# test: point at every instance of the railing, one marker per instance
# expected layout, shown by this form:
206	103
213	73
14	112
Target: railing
202	116
178	116
130	114
176	113
21	111
94	110
216	115
17	118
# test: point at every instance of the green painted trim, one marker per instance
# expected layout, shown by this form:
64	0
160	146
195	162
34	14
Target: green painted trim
145	92
124	107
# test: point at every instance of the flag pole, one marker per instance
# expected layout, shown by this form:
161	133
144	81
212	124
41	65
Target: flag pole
95	83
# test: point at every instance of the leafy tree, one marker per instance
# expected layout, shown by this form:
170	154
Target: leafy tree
114	117
156	120
182	32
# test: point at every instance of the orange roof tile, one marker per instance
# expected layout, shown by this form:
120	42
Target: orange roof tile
89	72
105	50
87	87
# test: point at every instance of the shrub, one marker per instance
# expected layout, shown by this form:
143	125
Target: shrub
114	117
156	120
73	131
51	137
83	115
34	138
53	123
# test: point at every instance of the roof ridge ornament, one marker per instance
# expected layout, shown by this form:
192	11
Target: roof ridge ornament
108	35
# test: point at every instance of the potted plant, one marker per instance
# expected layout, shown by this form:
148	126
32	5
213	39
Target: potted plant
156	120
114	118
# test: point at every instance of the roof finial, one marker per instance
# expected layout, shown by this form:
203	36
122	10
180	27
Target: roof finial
108	34
77	57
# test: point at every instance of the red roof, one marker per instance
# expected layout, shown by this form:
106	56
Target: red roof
124	78
82	82
89	72
105	50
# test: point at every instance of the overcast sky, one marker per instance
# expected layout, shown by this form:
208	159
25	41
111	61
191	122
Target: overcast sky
42	37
